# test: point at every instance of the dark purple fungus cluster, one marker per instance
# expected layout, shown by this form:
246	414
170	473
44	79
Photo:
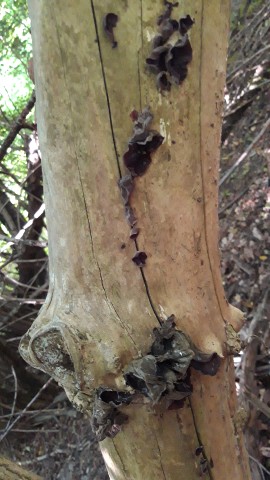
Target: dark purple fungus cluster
143	142
137	159
139	258
164	373
109	23
169	60
165	370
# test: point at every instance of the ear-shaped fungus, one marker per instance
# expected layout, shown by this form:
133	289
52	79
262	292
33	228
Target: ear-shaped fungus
167	12
165	370
169	61
137	159
109	23
163	82
178	58
185	23
139	258
142	143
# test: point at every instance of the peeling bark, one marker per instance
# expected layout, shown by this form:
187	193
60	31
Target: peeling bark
101	309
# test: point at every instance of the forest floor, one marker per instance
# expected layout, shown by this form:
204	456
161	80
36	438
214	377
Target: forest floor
59	443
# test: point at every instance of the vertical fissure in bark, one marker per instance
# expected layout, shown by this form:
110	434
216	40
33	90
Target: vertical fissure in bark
109	303
201	166
120	458
200	442
140	51
160	458
106	88
147	289
113	136
141	107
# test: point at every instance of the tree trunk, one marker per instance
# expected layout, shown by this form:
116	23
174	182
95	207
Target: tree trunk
101	308
10	471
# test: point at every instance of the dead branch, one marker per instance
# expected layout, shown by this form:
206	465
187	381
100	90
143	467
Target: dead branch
246	153
18	125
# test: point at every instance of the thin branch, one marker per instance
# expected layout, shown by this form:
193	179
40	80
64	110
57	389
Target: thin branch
7	430
31	243
246	62
15	397
245	154
259	464
221	213
258	404
18	125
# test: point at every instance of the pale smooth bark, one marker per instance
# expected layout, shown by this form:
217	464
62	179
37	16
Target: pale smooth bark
101	310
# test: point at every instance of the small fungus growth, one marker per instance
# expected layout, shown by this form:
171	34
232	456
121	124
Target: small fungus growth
106	418
139	258
164	373
169	61
109	23
143	142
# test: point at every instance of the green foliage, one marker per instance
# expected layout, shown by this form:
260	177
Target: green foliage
15	86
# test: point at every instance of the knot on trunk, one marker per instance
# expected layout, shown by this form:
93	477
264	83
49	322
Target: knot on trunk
56	349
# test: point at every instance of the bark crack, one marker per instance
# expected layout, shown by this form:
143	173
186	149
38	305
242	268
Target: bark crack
113	136
109	303
200	440
140	94
120	458
147	288
160	458
106	88
140	50
202	172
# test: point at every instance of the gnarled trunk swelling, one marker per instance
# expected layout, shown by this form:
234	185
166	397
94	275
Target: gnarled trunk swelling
101	308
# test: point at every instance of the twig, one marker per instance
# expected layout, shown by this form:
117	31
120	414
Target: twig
247	61
15	397
59	451
230	204
23	230
31	243
259	464
261	406
38	301
18	125
245	154
7	430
